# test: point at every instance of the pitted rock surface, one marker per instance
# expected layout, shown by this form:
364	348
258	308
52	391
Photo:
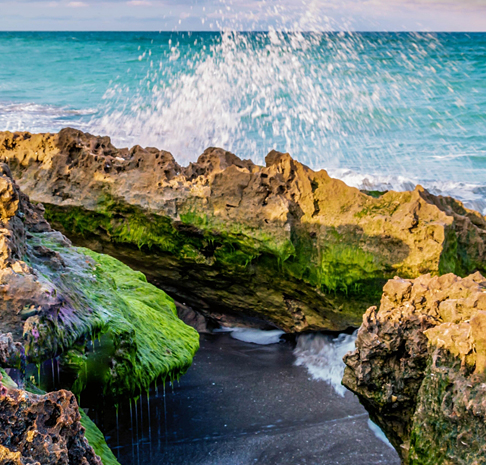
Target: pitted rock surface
282	242
42	430
419	368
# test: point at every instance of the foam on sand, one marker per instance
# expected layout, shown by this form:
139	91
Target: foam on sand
254	336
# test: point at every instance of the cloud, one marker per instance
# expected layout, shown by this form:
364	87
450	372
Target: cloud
381	15
139	3
77	4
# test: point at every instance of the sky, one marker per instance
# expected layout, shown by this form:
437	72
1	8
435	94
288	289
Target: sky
199	15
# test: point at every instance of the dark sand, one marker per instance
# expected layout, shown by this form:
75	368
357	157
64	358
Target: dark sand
242	404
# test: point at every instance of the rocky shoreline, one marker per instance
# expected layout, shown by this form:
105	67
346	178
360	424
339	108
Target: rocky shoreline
275	246
420	368
101	320
282	244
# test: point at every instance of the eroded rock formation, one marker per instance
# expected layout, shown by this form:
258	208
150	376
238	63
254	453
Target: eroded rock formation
56	299
281	243
420	368
42	429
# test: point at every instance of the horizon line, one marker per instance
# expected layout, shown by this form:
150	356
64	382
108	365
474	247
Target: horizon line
249	31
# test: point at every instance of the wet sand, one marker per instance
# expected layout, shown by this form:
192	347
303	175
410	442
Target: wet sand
240	404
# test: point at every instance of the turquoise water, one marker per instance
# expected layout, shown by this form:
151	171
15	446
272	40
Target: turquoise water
379	110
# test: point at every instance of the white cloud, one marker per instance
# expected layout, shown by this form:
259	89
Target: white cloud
77	4
139	3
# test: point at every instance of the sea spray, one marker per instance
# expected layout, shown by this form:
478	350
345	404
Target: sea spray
380	105
323	354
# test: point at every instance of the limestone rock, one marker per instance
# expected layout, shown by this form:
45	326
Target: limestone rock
419	368
45	429
281	243
55	299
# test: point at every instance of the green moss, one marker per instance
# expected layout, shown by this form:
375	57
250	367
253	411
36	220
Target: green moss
97	441
374	194
448	425
140	338
144	336
387	205
425	446
455	257
334	264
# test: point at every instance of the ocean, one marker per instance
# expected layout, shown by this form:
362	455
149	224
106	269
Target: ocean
378	110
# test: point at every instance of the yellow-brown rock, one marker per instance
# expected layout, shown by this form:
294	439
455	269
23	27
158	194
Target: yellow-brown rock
281	243
419	368
42	429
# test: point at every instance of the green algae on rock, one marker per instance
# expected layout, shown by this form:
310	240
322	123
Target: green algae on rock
281	243
141	339
56	299
419	368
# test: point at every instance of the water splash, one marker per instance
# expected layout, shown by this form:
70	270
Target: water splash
395	109
379	434
373	104
322	355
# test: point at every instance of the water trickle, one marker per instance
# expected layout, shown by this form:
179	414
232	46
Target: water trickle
165	416
141	418
58	369
53	376
148	415
131	429
135	401
117	427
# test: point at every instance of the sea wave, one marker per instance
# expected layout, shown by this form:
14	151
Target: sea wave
322	355
35	117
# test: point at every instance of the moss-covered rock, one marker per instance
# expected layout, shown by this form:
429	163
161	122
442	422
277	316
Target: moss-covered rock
281	243
113	328
108	325
57	300
420	368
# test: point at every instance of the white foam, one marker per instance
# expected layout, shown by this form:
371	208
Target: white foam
41	118
322	355
254	336
471	194
379	433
